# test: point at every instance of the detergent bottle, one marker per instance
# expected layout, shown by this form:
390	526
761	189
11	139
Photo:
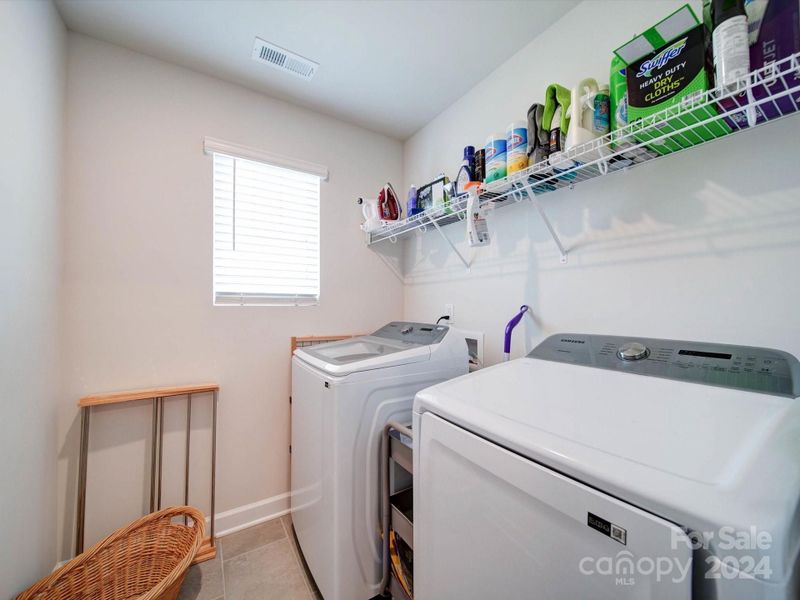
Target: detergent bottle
589	120
601	123
411	204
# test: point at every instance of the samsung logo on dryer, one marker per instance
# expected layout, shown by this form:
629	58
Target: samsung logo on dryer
615	532
571	341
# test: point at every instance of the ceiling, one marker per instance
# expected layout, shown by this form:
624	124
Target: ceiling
390	66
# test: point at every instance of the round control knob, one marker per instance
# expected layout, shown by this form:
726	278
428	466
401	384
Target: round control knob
407	329
633	351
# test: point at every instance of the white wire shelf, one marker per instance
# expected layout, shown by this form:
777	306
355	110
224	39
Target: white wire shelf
763	96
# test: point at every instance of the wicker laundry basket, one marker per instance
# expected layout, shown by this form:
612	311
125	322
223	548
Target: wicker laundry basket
147	560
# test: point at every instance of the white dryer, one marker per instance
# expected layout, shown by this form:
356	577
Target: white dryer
343	393
600	467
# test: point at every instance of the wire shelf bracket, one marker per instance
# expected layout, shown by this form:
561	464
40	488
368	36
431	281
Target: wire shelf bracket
395	271
538	206
460	256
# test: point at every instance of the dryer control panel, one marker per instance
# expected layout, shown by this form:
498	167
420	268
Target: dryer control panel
741	367
413	333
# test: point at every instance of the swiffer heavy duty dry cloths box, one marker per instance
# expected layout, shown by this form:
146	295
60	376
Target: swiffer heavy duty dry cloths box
666	68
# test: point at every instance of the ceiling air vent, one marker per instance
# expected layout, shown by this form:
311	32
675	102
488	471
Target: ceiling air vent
277	57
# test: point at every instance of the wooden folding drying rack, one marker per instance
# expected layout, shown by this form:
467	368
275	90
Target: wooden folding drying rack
157	395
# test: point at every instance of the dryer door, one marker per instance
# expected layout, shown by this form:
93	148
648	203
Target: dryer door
489	523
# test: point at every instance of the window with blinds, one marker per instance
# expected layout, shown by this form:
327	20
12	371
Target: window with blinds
266	234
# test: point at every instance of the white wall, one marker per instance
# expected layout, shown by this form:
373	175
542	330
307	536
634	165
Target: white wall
138	278
703	245
32	45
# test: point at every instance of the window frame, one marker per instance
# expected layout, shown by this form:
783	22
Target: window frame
214	147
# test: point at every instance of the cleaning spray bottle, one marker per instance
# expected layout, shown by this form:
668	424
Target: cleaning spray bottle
589	106
477	230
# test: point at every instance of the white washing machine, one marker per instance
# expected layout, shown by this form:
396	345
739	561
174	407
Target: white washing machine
343	393
600	467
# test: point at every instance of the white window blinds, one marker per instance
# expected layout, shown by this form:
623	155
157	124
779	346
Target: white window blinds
266	233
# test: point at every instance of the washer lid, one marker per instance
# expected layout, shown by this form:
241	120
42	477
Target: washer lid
362	354
396	343
704	457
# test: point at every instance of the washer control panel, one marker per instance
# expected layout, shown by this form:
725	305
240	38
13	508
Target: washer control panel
741	367
413	333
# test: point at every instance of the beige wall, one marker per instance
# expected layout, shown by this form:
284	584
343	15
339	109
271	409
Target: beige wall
137	289
703	245
32	68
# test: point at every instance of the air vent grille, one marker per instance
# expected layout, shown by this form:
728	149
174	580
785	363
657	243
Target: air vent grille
282	59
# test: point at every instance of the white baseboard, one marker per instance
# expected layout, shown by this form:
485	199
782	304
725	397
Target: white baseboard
248	515
59	565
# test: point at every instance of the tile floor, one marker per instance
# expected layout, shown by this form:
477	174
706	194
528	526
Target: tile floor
259	563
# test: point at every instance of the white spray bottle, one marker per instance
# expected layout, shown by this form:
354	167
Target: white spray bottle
477	230
589	117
